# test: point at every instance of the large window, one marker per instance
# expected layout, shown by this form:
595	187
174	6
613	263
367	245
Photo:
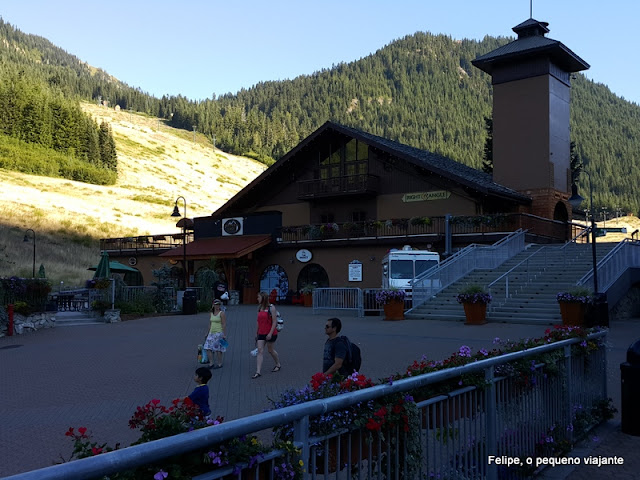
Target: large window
349	159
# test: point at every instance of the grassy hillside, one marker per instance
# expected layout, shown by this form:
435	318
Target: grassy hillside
156	164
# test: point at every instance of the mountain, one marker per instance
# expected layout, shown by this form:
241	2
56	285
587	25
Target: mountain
156	165
420	90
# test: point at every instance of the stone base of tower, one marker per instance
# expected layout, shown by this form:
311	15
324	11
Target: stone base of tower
549	203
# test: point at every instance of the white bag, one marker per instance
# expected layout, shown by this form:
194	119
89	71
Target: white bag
254	352
224	296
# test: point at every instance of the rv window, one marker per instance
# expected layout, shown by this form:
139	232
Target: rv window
424	265
402	269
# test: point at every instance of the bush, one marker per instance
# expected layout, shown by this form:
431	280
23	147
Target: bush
139	306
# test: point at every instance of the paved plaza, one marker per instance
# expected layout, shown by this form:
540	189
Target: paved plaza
96	375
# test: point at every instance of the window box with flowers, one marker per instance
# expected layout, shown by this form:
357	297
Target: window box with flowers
573	305
392	301
387	424
242	457
474	299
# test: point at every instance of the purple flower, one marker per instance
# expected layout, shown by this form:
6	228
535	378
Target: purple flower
465	351
570	427
583	343
484	352
496	340
160	475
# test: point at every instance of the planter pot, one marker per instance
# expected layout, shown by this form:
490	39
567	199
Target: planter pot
394	310
572	313
476	313
308	299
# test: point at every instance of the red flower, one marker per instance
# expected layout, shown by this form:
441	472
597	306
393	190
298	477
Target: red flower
82	431
96	451
69	432
155	402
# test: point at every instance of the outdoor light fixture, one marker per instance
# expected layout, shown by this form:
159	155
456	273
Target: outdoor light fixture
575	200
176	213
26	239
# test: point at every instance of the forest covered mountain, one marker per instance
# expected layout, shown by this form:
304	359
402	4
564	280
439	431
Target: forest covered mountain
421	90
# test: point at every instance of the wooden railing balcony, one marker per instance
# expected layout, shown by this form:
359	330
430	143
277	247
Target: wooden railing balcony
339	186
145	243
427	226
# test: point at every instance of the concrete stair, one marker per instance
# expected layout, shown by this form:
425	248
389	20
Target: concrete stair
73	318
543	272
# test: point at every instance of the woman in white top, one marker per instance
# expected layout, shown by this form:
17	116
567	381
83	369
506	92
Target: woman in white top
217	338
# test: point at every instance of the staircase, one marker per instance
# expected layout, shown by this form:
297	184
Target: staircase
73	318
540	273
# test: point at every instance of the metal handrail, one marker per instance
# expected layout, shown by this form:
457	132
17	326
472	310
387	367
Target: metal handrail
574	240
438	281
511	270
157	450
608	260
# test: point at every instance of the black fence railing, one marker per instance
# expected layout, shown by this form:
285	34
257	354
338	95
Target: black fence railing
434	226
144	242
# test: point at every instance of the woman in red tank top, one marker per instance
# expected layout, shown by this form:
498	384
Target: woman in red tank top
266	333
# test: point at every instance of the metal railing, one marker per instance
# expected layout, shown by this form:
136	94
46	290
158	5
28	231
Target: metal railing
464	262
337	299
624	255
458	430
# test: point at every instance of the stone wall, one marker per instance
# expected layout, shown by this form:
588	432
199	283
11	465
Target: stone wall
22	324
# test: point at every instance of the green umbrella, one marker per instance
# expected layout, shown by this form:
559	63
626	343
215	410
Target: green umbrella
103	270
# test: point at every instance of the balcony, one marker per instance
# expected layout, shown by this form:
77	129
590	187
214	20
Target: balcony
345	185
473	228
145	243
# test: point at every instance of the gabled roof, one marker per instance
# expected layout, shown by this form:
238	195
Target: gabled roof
438	164
531	42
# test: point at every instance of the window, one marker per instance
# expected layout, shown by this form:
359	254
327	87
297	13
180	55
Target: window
344	159
424	265
402	269
358	216
326	218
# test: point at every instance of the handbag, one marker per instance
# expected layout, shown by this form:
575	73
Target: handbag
224	296
202	355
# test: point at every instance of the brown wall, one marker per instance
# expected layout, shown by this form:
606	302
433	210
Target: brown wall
526	154
336	263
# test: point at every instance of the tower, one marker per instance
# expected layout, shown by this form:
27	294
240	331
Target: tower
531	79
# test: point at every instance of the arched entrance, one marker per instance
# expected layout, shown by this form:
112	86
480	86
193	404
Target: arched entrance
560	212
313	274
274	277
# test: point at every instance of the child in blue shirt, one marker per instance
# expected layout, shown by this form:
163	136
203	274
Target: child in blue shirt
200	394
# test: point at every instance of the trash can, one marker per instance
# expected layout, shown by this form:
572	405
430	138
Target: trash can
597	313
630	376
190	302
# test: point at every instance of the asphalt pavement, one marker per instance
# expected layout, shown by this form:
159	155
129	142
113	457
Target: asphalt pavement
96	375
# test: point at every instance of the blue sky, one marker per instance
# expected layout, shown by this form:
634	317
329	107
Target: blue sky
200	47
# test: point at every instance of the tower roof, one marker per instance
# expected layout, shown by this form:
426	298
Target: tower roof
531	42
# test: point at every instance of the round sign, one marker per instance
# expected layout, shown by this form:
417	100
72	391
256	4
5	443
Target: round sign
303	255
232	226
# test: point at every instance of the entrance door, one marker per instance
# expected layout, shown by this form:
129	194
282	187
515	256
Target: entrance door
313	274
274	277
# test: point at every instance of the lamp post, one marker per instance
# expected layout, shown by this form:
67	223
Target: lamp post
575	200
176	213
26	239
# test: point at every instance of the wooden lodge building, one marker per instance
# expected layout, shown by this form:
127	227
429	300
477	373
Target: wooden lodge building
344	196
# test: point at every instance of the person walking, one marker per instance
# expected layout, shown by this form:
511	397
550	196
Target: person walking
266	333
335	349
216	341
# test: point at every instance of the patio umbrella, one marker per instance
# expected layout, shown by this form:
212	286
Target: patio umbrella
103	270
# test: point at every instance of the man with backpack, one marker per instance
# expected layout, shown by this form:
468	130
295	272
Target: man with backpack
340	355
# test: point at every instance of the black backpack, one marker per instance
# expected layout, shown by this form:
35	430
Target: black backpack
354	357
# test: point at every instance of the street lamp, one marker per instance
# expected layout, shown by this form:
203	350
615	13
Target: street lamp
26	239
176	213
575	200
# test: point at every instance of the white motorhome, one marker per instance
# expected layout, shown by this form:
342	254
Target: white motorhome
399	267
